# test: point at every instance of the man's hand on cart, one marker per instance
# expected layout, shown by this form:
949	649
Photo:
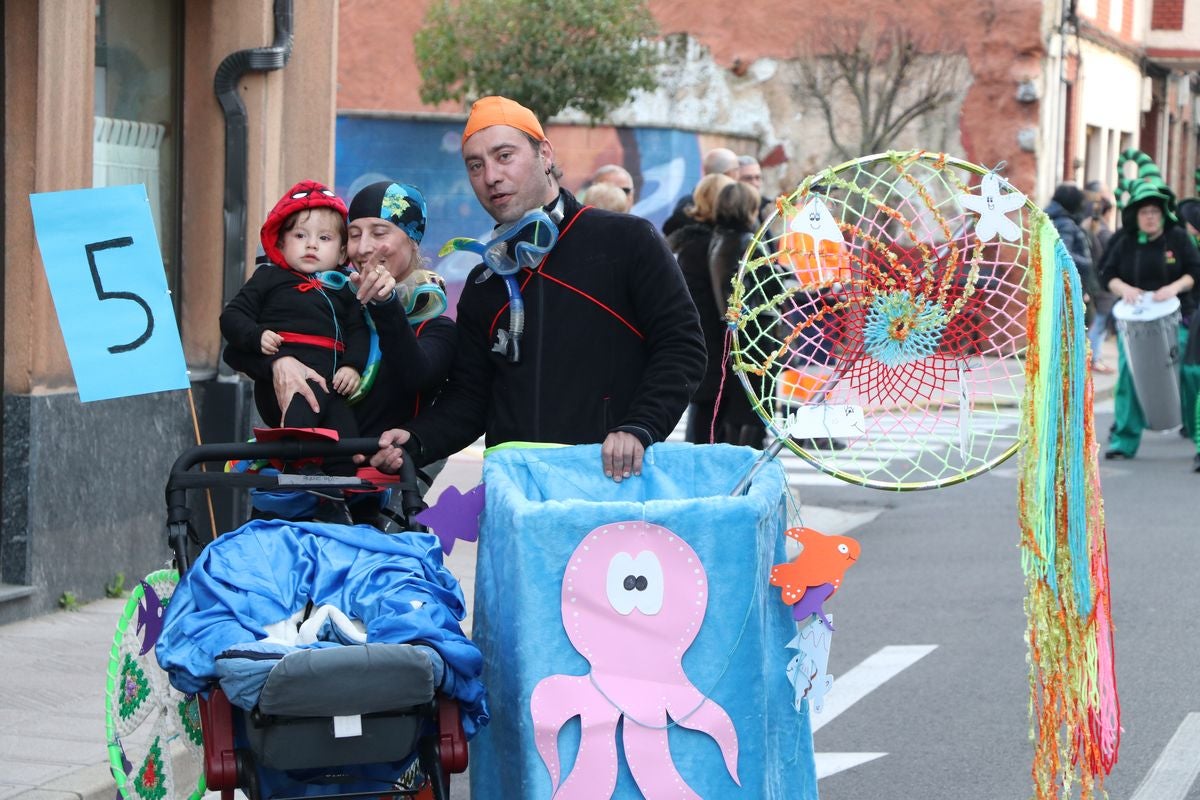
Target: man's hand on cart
290	378
621	455
390	455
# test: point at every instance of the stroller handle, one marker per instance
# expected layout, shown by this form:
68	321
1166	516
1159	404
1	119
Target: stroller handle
182	476
285	449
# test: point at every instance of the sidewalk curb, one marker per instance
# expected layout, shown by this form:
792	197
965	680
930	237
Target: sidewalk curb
86	783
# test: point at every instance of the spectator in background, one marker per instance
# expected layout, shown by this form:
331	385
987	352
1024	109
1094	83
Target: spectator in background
607	196
612	175
1066	211
736	217
1189	371
1189	215
1097	206
690	244
718	161
750	172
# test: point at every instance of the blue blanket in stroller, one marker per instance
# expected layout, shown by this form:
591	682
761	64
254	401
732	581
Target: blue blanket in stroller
267	571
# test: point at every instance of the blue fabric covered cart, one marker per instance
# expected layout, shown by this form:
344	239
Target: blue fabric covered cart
631	645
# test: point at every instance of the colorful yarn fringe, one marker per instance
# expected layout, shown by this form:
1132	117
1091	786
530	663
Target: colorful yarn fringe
1074	709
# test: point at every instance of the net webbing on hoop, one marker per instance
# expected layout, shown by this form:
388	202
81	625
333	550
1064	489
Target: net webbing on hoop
876	289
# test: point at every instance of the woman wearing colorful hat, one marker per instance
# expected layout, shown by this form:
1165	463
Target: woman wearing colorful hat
1151	253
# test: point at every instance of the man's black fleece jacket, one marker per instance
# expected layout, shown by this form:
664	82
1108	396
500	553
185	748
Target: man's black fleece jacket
612	342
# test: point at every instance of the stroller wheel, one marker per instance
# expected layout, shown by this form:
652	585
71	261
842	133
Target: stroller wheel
247	772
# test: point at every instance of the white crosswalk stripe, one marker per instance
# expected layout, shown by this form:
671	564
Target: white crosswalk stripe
900	450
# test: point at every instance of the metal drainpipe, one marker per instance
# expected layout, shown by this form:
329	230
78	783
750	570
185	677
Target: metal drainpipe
225	84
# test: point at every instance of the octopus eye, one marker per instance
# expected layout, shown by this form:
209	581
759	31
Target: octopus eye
635	583
843	549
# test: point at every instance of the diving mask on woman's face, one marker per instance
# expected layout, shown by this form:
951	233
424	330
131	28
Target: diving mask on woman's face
523	243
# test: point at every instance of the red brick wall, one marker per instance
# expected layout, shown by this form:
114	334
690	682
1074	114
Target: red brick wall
1167	15
1001	40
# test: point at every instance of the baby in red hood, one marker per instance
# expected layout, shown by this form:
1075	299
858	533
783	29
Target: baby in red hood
302	305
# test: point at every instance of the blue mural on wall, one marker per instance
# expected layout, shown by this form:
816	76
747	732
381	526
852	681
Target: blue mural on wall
664	163
666	167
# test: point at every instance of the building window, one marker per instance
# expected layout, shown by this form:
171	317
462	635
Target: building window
1166	15
137	92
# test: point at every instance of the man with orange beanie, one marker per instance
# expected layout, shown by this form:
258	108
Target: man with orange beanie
610	348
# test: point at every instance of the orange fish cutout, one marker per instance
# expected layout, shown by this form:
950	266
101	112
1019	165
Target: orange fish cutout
824	560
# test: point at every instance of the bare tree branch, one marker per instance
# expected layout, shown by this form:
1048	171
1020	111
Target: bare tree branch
892	76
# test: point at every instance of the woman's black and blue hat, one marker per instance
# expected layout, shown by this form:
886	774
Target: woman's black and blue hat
401	204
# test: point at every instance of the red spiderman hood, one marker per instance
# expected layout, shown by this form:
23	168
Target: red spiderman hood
305	194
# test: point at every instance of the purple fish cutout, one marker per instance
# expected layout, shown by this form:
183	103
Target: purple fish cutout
150	618
454	516
811	603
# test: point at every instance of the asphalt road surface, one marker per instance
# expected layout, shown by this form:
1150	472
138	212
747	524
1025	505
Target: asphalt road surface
930	636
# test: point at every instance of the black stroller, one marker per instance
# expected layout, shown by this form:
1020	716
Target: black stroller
387	691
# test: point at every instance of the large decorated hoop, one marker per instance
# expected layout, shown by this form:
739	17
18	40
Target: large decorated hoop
155	744
879	311
910	320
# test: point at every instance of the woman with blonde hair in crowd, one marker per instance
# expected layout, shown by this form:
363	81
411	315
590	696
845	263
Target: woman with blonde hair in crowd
735	221
690	243
606	196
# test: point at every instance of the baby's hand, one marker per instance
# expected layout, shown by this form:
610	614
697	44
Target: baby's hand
345	381
270	343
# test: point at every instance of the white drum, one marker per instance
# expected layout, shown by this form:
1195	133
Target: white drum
1149	332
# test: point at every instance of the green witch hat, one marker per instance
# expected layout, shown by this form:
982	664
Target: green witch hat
1147	187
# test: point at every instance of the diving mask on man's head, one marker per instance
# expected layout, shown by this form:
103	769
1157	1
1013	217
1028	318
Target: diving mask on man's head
519	244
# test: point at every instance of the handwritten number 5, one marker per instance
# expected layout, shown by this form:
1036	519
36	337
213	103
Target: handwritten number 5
92	249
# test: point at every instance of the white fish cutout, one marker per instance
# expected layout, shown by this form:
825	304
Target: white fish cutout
811	227
806	670
815	220
993	206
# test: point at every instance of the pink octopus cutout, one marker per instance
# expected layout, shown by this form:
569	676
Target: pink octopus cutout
633	598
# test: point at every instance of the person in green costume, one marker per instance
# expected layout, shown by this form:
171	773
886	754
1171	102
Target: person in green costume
1153	253
1189	383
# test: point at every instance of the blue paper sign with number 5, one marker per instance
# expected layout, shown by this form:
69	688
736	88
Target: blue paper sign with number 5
106	276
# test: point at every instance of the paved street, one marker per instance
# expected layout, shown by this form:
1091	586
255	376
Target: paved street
942	570
929	649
